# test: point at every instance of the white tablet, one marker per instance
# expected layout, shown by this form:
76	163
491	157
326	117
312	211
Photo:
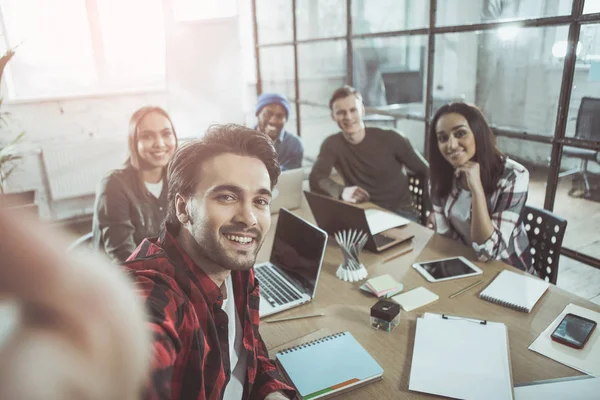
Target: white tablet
446	269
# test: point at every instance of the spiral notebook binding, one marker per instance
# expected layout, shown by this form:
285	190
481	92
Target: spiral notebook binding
311	343
505	303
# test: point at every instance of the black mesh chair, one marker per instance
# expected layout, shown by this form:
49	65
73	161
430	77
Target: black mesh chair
586	127
420	196
545	232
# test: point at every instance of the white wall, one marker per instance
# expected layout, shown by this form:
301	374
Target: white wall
205	84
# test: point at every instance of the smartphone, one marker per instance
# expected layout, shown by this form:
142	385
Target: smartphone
574	331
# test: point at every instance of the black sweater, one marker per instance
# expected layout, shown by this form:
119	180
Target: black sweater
375	164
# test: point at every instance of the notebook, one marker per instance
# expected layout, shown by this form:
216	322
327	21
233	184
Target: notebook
461	358
415	298
328	366
516	291
382	285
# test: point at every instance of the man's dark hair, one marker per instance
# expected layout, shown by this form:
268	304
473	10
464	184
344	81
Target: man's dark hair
342	93
183	168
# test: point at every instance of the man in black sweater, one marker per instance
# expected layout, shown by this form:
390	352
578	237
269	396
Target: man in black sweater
369	160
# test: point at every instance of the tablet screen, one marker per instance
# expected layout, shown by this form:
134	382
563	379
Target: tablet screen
447	268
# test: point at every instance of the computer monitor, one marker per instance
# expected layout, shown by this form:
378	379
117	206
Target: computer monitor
403	87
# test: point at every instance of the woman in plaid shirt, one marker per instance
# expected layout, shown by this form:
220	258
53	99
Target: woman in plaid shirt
478	193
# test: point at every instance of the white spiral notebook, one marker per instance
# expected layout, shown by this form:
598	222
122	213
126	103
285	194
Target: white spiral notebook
328	366
520	292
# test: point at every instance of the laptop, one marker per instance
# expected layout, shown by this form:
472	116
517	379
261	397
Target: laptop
334	215
288	191
290	277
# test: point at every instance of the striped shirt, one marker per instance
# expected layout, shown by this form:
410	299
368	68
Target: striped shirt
191	341
509	242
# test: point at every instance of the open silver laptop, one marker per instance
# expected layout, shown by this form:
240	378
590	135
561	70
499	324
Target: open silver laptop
288	191
290	278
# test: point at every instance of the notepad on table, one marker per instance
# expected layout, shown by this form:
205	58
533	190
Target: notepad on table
516	291
328	366
461	358
415	298
388	295
380	220
382	285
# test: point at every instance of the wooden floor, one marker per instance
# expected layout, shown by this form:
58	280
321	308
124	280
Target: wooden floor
582	234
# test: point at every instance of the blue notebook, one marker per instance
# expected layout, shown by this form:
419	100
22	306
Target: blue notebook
328	366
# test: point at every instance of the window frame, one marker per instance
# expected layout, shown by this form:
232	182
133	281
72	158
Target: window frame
573	21
102	87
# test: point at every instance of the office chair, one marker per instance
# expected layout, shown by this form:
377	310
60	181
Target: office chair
420	195
83	241
586	127
545	232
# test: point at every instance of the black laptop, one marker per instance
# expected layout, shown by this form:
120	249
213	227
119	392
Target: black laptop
334	215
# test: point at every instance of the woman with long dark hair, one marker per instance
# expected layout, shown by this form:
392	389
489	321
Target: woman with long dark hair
478	193
131	202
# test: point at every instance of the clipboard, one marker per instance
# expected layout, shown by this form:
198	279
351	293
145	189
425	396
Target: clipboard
473	360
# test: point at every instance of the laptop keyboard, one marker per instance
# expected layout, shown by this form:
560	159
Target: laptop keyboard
274	289
381	240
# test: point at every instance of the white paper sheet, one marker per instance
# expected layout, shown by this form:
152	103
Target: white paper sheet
585	360
575	388
380	220
461	358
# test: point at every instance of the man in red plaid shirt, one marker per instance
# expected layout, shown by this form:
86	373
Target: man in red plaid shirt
197	277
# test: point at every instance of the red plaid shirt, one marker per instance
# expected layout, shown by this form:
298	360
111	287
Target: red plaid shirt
191	349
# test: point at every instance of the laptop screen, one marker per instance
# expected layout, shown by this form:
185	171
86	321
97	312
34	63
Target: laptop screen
298	249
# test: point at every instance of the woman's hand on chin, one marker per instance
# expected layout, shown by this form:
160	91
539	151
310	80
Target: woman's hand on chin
470	169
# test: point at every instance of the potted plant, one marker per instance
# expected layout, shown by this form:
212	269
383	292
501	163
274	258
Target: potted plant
9	151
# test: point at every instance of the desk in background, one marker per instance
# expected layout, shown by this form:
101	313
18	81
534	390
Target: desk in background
347	308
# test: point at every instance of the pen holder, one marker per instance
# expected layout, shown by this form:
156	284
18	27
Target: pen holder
351	242
385	315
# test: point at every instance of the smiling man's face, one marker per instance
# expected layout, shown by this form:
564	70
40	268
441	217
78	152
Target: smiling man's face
271	120
230	210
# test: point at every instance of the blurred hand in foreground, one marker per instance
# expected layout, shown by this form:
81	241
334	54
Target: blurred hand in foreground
71	325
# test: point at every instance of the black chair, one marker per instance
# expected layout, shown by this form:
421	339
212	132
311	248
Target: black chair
586	127
545	232
420	195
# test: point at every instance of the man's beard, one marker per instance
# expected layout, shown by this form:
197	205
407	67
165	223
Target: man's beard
225	258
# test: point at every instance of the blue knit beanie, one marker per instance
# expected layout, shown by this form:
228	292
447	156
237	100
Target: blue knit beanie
273	98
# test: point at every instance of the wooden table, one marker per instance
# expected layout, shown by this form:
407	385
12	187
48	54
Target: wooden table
346	308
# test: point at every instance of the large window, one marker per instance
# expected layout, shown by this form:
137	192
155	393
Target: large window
514	80
75	47
460	12
320	18
322	69
274	20
370	16
509	57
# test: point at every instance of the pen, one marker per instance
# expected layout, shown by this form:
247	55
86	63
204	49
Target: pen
465	289
293	318
398	255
